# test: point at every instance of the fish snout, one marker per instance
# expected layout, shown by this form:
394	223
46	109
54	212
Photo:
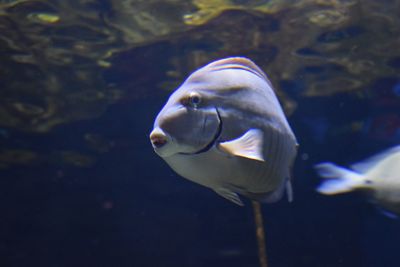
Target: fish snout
158	138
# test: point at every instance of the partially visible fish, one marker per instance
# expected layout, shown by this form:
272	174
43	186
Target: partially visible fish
379	176
224	128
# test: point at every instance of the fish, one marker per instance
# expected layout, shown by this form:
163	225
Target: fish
377	176
225	129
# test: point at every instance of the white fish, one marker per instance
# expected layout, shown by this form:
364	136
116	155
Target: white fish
379	176
224	128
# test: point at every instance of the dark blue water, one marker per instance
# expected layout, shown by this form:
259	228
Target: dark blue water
97	195
130	209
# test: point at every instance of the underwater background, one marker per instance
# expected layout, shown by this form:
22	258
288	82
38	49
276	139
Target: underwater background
81	82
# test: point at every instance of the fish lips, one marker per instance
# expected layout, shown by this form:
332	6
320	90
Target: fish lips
165	145
162	142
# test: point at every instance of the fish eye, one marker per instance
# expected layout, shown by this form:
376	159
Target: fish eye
195	99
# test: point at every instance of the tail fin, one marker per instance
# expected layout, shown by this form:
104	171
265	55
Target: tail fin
341	180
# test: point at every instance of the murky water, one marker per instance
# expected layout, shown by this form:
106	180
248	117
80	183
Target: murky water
81	83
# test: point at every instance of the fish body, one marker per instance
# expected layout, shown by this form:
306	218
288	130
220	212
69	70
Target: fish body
224	128
379	176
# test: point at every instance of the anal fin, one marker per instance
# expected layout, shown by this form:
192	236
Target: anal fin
230	195
387	213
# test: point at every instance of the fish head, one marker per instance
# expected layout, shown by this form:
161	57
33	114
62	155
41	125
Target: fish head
187	124
190	121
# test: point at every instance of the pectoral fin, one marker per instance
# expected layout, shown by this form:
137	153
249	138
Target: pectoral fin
249	145
230	195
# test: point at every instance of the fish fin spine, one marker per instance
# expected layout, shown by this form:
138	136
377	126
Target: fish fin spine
289	190
229	195
387	213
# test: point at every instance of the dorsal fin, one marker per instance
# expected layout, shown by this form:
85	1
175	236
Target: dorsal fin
237	63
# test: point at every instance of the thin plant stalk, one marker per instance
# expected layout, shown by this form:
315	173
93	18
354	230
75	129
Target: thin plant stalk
260	234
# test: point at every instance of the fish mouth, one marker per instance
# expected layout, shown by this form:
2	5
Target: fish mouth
213	140
159	140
